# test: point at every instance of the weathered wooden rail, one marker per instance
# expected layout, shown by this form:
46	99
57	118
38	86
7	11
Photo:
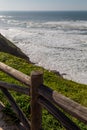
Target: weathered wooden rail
41	96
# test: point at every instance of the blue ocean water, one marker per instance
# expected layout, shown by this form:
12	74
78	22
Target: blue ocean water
46	15
55	40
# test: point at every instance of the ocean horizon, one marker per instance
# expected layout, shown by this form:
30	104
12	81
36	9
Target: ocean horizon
55	40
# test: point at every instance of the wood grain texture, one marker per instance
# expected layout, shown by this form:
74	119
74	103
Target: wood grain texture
68	105
60	116
15	74
36	109
16	88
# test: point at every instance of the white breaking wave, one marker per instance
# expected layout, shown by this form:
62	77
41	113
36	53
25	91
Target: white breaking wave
60	46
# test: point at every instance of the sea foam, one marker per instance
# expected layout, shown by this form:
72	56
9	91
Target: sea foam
60	45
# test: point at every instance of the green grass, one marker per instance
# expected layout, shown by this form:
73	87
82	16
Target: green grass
75	91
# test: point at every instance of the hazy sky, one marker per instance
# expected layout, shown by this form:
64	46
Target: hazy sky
43	4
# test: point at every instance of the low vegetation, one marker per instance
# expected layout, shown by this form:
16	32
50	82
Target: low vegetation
75	91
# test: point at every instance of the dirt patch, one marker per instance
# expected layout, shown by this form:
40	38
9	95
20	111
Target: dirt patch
5	121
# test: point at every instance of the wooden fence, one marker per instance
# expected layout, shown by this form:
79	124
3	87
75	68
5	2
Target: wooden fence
41	96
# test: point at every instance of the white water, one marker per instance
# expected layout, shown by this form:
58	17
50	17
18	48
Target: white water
60	46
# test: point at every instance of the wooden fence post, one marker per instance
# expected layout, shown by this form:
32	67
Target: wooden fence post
36	109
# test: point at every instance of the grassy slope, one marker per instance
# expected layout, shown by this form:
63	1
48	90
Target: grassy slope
71	89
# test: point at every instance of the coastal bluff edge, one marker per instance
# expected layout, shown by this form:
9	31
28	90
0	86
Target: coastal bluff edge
8	47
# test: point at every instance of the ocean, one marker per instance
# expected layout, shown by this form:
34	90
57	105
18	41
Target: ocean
54	40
